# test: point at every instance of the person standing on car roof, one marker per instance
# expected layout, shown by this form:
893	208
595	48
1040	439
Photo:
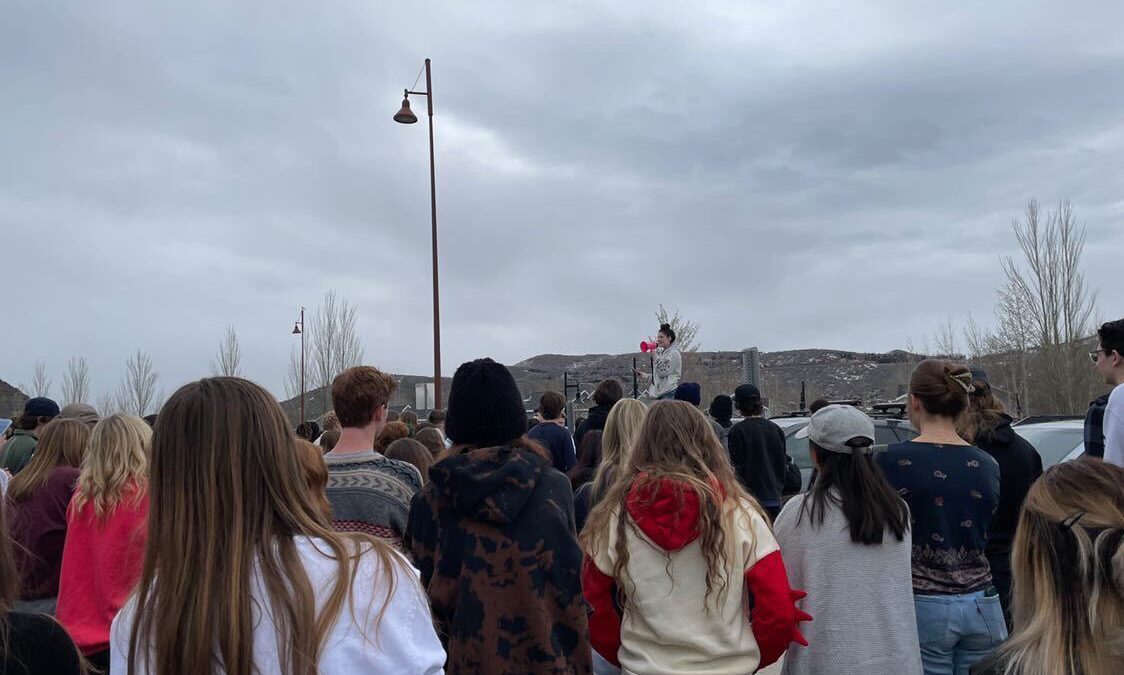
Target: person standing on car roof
1108	360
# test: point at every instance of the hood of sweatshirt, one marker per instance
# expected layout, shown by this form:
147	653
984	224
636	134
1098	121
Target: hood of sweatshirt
666	511
1000	435
489	484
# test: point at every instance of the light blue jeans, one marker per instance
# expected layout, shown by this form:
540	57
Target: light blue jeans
956	631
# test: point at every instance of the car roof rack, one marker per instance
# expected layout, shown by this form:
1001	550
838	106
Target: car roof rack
1036	419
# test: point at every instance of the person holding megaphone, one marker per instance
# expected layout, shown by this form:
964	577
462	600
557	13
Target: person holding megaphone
667	366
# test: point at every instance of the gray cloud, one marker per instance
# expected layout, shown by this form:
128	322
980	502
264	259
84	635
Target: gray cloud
789	175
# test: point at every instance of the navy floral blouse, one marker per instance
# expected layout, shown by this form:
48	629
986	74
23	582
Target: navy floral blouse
952	492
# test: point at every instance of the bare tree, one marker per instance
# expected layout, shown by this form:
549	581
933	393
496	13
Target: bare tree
137	395
76	381
40	382
107	404
335	341
686	332
1047	288
228	360
946	339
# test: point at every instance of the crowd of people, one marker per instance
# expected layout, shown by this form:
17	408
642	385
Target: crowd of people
653	538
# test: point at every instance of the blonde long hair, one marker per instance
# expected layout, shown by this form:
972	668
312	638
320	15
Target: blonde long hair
1068	566
115	465
621	427
228	496
61	443
677	443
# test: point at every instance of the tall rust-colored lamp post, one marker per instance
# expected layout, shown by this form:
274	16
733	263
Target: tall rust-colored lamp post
407	116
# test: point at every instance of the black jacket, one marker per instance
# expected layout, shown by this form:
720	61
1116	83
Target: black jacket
594	421
1019	466
1094	427
757	451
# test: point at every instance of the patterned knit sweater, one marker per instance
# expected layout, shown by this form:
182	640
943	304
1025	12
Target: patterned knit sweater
370	493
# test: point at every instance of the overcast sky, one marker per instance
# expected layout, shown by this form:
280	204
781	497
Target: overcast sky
788	174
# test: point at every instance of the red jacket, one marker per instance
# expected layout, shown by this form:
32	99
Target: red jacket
101	563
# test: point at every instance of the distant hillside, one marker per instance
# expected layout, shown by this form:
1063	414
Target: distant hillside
11	400
828	373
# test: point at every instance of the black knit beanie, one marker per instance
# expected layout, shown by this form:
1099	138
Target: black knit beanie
485	406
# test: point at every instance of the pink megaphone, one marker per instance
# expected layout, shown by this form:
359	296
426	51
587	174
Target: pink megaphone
646	346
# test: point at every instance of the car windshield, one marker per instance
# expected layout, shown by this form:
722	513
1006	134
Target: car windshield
1052	443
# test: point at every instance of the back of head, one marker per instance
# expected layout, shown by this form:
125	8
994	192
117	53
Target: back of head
432	439
985	410
390	433
37	412
722	409
311	460
331	420
942	387
551	405
358	393
83	412
689	392
116	463
747	398
436	416
1068	568
608	392
409	418
329	438
412	452
817	405
841	437
229	491
61	443
485	406
621	429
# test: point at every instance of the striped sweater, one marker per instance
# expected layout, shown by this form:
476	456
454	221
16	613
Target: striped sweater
370	493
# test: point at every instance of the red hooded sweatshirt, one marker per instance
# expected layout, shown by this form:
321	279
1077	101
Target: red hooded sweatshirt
671	625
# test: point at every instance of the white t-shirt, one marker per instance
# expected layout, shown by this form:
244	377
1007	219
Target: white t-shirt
407	643
1114	427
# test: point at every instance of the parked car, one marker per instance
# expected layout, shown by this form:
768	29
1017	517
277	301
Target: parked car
1056	441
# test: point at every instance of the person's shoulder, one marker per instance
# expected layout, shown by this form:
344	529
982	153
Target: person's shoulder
1116	399
399	469
63	477
790	513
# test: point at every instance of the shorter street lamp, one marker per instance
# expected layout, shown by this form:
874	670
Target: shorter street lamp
298	329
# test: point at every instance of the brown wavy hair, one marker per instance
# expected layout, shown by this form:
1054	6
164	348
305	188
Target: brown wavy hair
61	443
676	443
985	412
1067	561
228	497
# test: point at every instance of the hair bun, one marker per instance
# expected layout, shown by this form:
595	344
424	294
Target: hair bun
665	326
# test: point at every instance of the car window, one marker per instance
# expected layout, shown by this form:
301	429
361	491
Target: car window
1052	443
797	448
884	435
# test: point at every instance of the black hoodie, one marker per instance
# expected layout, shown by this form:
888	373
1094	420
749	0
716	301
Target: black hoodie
595	419
1019	466
493	535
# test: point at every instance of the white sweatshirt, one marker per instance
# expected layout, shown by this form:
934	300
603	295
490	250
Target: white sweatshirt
407	643
667	368
1114	427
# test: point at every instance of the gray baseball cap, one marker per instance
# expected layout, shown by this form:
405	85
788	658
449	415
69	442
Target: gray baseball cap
83	412
834	427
